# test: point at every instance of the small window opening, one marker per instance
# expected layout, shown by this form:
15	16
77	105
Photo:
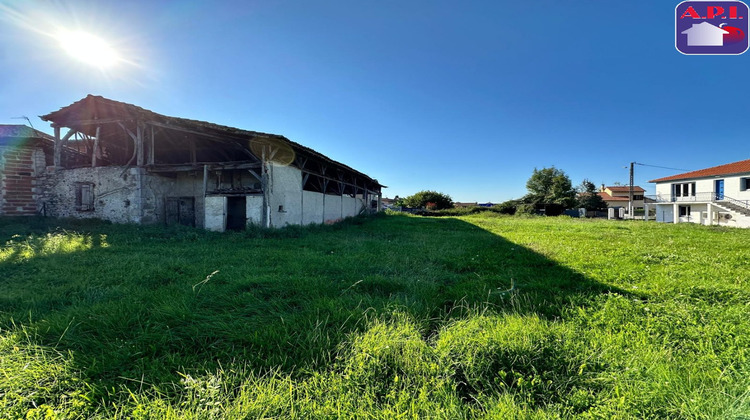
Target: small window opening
84	196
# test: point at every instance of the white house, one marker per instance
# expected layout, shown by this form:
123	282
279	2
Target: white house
705	35
719	195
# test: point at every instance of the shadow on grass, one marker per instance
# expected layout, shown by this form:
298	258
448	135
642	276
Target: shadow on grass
155	304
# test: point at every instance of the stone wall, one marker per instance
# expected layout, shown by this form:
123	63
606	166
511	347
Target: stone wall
115	198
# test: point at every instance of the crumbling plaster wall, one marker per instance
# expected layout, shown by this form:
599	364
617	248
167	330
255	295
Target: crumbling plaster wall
133	196
116	197
254	210
157	188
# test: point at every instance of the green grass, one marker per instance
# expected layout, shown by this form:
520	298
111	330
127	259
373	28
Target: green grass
479	316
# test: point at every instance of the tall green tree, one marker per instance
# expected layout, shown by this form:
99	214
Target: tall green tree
588	197
550	189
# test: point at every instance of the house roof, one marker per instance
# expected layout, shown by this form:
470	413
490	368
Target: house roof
704	28
740	167
22	131
86	114
626	189
16	135
607	197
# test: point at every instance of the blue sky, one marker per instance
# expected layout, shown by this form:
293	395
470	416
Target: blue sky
466	98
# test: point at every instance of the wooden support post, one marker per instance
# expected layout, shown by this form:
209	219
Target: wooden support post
59	143
139	145
264	184
58	148
96	147
205	181
152	150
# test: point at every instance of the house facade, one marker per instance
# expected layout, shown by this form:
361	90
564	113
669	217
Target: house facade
126	164
619	196
719	195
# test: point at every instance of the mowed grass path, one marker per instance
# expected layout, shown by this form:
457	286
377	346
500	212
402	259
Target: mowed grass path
482	316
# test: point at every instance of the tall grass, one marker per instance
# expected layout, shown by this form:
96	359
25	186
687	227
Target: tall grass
481	316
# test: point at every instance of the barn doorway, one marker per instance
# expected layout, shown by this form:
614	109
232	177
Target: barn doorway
236	213
180	211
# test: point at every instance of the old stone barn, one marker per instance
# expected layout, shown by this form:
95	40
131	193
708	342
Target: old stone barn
119	162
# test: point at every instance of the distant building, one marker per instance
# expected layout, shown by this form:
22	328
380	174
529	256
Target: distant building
619	196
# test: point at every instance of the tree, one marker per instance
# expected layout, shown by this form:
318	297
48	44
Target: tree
588	197
550	189
438	201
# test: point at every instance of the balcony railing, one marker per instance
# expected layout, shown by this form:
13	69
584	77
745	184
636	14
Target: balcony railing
704	197
701	197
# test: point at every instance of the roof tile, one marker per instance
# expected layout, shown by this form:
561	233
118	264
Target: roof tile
742	166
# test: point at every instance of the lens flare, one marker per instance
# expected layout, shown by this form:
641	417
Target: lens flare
88	48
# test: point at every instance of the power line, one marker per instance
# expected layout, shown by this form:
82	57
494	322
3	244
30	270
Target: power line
661	167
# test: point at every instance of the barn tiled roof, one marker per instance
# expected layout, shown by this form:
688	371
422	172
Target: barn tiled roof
740	167
92	107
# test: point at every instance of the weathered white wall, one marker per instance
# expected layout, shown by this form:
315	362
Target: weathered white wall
140	197
285	189
312	209
695	213
351	206
254	213
664	213
215	213
332	208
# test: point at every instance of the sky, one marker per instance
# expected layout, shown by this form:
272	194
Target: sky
466	98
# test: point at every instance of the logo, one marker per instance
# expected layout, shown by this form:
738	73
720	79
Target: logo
711	27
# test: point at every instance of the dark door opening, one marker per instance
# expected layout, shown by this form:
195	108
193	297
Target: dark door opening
236	213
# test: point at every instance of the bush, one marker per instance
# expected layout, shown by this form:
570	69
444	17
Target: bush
525	209
508	207
436	200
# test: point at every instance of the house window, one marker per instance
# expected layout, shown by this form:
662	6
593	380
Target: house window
637	196
744	184
84	196
684	211
685	189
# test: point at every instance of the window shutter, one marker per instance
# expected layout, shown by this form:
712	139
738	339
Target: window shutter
86	197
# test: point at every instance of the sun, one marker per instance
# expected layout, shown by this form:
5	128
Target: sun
88	48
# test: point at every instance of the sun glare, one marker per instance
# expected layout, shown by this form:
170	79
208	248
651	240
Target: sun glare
88	48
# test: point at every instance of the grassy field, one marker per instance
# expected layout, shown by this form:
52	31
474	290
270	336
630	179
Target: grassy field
482	316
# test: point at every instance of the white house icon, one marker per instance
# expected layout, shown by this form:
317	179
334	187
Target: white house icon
705	35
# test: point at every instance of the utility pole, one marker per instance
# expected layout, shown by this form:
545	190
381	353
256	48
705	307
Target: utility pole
630	193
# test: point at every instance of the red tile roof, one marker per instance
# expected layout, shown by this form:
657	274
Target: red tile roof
625	189
607	197
742	166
